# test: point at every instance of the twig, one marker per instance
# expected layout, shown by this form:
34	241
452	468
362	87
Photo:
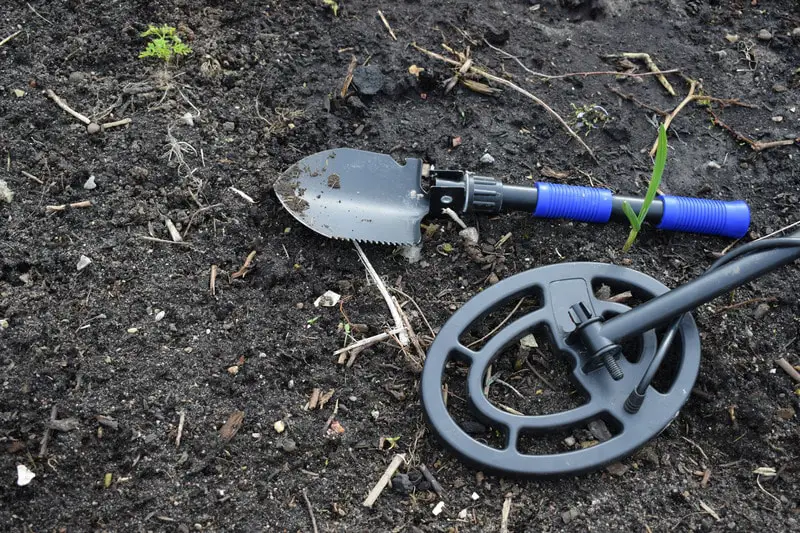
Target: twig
63	105
63	207
500	325
790	226
115	123
386	23
538	374
401	335
348	78
757	146
180	429
505	513
31	176
4	41
242	272
411	333
333	414
373	495
212	280
452	214
162	241
789	369
310	512
48	431
765	491
693	443
636	101
369	341
707	508
244	195
578	74
437	488
37	14
650	65
744	304
201	210
513	86
508	385
410	299
692	87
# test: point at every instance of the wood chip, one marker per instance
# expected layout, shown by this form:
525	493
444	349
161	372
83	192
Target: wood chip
313	402
325	398
231	427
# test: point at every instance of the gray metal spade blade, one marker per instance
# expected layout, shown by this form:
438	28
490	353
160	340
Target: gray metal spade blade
352	194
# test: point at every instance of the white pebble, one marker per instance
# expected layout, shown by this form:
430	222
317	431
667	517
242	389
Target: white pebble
475	496
24	475
462	514
160	316
438	509
90	183
83	262
328	299
279	426
188	119
487	159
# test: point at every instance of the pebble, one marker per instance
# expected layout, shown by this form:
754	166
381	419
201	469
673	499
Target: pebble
160	316
487	159
796	34
599	430
779	88
83	262
90	183
412	254
761	311
617	469
470	235
24	475
764	35
228	126
462	514
279	426
93	128
368	79
570	441
786	413
777	118
438	509
187	119
289	445
3	323
569	516
77	77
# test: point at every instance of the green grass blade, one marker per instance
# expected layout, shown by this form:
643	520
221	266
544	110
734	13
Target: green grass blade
631	214
658	171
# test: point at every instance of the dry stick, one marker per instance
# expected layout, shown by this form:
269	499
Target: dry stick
636	101
48	431
31	176
500	325
373	495
174	234
538	374
386	23
181	422
162	241
37	14
506	512
673	114
437	488
310	512
513	86
402	336
115	123
767	299
650	65
243	194
4	41
348	79
789	369
63	105
581	74
201	210
790	226
369	341
410	299
411	333
757	146
62	207
212	280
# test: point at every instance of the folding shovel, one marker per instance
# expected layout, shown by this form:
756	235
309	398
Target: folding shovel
369	197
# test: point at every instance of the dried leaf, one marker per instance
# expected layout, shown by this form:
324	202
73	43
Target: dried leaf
479	87
230	427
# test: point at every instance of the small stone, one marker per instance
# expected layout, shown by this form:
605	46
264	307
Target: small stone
777	118
375	414
438	509
764	35
139	172
368	79
493	279
473	428
779	88
328	299
228	126
713	165
6	194
83	262
603	293
475	497
90	183
570	441
188	119
233	370
569	516
279	426
24	475
731	38
796	34
356	103
786	413
19	93
401	483
462	514
92	128
133	331
761	311
487	159
599	430
288	445
160	316
617	469
412	254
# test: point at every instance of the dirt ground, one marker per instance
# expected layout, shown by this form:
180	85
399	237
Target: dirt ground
137	338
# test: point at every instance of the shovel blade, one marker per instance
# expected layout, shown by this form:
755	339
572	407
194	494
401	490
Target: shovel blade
356	195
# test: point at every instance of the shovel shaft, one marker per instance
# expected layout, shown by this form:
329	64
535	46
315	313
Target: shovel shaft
590	204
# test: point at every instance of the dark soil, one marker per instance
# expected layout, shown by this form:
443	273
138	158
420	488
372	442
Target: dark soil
259	86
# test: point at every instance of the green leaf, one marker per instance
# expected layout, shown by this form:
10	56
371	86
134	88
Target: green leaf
658	171
632	218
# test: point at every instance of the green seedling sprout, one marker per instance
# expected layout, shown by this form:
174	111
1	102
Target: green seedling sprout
334	5
164	44
652	189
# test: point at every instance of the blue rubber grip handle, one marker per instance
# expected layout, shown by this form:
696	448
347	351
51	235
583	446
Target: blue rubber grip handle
698	215
587	204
